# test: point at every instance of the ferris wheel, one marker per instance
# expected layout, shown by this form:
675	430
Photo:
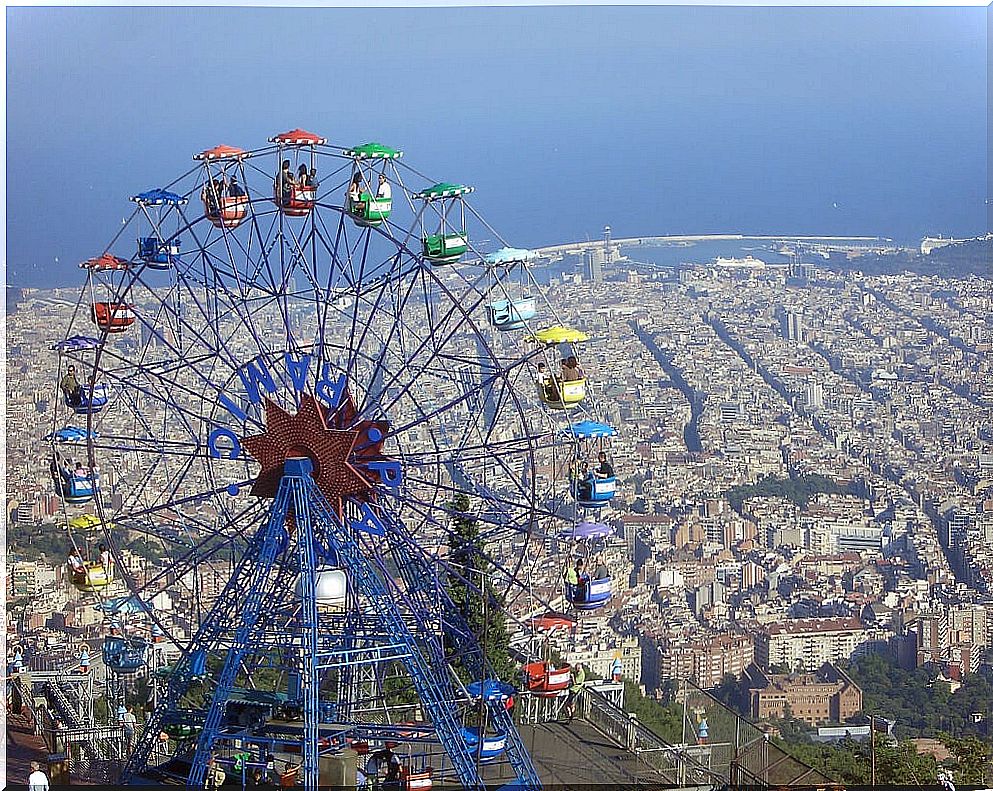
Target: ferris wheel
302	383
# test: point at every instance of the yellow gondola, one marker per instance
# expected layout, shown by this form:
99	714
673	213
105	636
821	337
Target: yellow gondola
563	395
94	578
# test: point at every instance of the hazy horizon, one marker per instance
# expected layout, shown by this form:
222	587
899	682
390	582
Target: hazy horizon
652	120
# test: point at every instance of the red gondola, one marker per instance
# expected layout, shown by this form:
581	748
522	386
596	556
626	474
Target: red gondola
546	680
298	200
230	212
223	211
552	620
105	262
298	203
112	316
416	780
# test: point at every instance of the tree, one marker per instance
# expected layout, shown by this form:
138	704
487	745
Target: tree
472	593
972	758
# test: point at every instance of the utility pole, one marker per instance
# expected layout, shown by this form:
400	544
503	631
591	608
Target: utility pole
872	747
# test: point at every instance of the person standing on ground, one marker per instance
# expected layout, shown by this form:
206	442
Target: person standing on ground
37	780
130	723
578	680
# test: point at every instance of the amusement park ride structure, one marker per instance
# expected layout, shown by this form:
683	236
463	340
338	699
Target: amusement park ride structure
284	375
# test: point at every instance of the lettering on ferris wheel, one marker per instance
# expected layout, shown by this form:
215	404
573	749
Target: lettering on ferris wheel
256	378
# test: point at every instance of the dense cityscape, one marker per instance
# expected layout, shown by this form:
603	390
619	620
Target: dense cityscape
804	458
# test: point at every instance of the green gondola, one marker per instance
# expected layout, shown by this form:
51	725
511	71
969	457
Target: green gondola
448	243
369	211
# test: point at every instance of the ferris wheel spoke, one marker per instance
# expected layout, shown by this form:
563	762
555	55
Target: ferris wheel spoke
192	499
477	550
453	489
430	359
461	399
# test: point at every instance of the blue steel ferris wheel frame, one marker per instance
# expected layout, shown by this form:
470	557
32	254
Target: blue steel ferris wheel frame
199	282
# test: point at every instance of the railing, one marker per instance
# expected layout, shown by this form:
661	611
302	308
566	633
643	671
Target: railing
676	764
736	748
94	752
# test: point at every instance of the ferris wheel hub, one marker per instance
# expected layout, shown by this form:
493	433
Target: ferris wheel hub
341	457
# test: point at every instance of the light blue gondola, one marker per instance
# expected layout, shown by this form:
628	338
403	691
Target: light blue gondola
507	314
77	488
589	429
89	402
597	594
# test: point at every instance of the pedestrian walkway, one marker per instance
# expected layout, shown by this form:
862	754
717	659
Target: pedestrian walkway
23	747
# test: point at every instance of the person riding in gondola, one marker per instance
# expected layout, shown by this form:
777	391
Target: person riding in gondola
385	191
355	194
234	188
571	581
601	572
583	584
209	196
61	474
106	560
77	568
604	469
584	479
285	182
71	387
303	177
546	383
571	372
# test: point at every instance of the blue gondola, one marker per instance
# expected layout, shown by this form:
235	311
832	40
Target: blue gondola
593	595
76	488
154	251
508	315
89	402
124	657
492	745
158	254
76	343
491	690
71	434
594	492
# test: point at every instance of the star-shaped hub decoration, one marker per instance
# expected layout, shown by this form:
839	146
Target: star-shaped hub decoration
343	449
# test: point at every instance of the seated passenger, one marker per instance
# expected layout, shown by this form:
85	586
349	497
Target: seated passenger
106	560
601	572
385	191
571	372
234	188
543	380
208	195
584	481
604	469
303	177
355	194
312	178
583	586
571	582
77	568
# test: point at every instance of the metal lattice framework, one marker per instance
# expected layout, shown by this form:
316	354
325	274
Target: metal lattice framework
282	391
